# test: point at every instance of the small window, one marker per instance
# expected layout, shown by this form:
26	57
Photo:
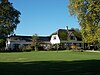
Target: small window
54	38
72	37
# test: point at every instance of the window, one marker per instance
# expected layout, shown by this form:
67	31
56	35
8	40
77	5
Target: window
16	46
72	37
54	38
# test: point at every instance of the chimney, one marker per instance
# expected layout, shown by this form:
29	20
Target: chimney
67	27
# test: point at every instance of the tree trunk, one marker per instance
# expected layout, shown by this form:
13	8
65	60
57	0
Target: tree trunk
36	48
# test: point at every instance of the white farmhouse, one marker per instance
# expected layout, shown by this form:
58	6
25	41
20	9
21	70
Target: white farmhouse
65	39
14	42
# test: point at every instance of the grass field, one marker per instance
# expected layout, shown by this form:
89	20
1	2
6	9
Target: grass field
50	63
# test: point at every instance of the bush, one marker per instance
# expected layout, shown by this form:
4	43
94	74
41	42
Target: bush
27	48
73	47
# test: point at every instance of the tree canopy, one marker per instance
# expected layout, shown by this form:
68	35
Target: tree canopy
35	41
9	18
88	15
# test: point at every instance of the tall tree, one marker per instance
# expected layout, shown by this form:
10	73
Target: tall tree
88	15
9	18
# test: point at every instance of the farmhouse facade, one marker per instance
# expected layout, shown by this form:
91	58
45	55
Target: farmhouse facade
15	42
67	38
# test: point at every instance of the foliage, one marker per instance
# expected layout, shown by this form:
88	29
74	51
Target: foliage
35	41
9	18
88	14
73	46
2	43
27	48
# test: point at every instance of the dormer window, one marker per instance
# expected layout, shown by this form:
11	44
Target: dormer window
72	37
54	38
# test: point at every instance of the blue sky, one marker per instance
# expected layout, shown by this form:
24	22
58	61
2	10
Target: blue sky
43	17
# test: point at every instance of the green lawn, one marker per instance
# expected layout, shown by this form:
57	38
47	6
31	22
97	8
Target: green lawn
50	63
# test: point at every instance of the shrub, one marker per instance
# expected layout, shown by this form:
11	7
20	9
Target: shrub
27	48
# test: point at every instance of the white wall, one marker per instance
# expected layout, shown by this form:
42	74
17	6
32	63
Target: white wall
10	43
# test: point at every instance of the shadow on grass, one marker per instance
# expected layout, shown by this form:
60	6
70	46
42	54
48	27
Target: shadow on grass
86	67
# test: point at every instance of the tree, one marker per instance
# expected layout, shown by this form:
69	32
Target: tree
9	18
2	43
88	15
35	41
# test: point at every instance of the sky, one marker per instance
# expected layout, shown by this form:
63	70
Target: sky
43	17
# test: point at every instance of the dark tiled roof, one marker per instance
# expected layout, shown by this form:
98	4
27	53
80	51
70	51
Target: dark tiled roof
15	36
29	38
63	33
18	37
43	38
78	35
